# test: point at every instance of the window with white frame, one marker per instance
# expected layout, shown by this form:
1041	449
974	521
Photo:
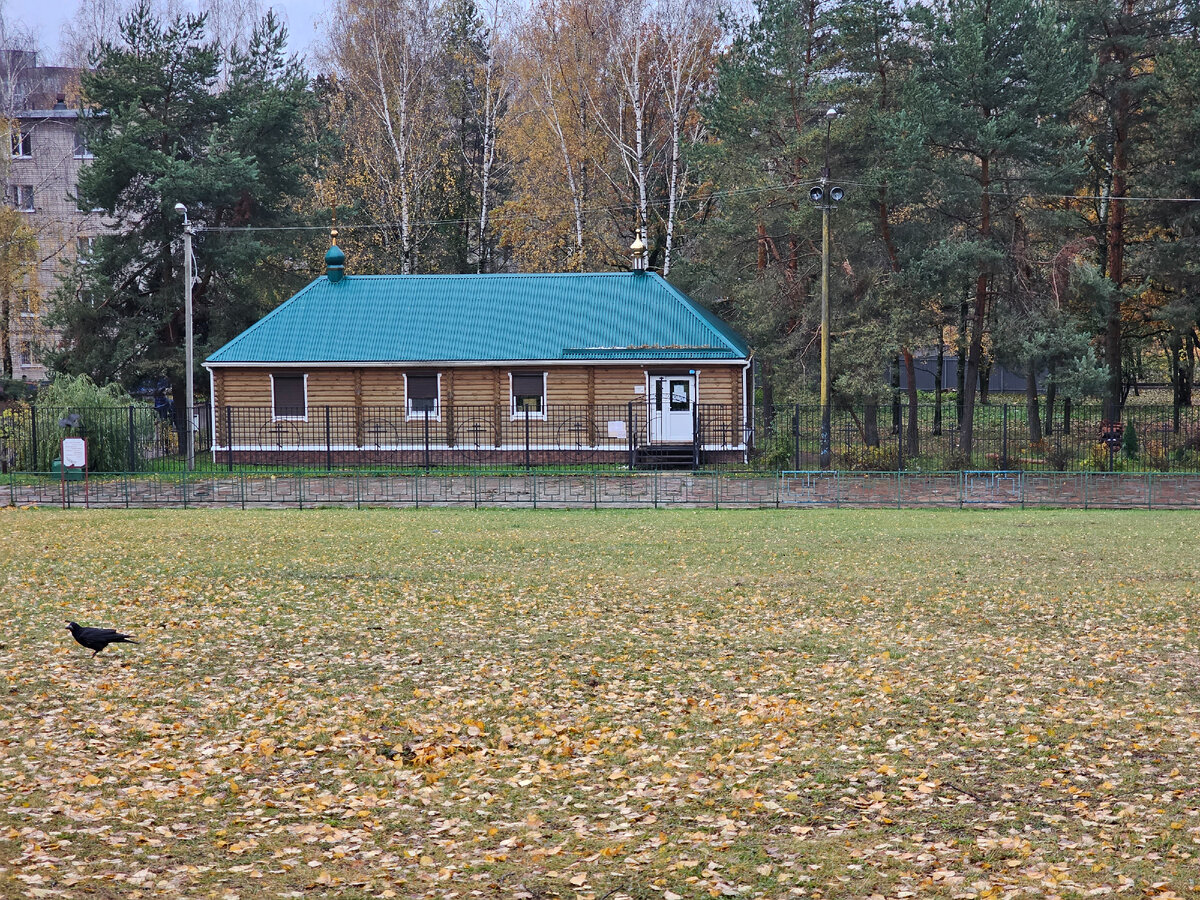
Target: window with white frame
81	143
85	245
528	392
21	197
289	396
25	356
22	143
25	304
421	395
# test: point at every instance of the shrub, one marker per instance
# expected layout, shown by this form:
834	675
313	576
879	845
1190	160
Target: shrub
867	459
1129	441
1097	458
1157	456
103	420
1060	458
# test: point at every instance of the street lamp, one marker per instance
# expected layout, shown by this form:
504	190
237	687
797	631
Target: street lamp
826	197
188	266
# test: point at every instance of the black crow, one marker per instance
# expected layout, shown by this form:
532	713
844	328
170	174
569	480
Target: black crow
97	638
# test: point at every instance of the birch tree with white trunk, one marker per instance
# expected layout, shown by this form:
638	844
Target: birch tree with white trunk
384	52
684	65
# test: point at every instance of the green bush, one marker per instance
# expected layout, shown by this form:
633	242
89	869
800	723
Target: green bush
103	420
867	459
1129	441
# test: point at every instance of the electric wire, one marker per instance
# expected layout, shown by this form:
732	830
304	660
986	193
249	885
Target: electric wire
694	200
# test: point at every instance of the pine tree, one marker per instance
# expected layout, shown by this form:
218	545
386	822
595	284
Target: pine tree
988	104
167	133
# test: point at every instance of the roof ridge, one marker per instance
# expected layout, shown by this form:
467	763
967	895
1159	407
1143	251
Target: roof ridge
490	275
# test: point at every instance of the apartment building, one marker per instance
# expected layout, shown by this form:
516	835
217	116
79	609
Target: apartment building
48	150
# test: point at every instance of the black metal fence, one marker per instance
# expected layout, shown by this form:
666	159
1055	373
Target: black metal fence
891	437
139	439
120	439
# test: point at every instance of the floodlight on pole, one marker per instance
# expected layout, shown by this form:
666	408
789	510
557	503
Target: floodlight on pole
825	196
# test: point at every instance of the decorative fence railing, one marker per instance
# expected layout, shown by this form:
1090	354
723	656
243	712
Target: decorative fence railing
138	439
595	489
890	438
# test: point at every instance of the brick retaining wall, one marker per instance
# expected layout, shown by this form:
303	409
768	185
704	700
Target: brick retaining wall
646	489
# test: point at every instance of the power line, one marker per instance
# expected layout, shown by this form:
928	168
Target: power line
617	207
731	192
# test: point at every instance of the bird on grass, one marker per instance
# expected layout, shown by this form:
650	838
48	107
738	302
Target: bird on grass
97	639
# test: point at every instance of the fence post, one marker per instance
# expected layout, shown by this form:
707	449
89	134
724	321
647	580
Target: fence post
796	438
630	439
34	462
526	438
229	437
328	443
1066	416
132	464
695	436
426	439
899	457
1004	436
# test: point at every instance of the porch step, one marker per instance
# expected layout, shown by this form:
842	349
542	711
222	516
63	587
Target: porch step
665	456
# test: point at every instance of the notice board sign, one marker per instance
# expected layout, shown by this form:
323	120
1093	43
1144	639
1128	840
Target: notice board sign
74	453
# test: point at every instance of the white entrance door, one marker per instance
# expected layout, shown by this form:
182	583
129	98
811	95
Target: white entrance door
671	401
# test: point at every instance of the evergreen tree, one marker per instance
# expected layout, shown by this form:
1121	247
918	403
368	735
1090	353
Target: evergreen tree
988	104
165	132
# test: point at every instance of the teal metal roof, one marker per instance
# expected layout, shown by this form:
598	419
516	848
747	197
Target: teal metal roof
415	318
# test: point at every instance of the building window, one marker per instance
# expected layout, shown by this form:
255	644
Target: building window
25	304
421	396
81	144
22	143
84	247
25	356
289	396
21	196
528	391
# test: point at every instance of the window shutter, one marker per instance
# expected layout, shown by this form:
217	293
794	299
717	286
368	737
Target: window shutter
422	387
527	384
289	395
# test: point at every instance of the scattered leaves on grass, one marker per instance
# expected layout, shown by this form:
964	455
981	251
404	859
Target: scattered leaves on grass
680	704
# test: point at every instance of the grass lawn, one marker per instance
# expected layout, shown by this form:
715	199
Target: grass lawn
677	704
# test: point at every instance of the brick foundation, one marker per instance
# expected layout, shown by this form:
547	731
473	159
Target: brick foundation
627	490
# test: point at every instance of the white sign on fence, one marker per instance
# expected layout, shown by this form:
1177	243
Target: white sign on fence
616	428
74	453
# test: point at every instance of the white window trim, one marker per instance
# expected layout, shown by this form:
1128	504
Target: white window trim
303	418
17	199
516	415
416	416
21	135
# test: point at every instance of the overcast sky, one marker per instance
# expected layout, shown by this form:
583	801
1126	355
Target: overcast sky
46	18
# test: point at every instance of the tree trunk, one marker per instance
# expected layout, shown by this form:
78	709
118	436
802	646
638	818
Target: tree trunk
768	394
961	374
937	384
1031	405
896	396
1188	378
910	374
985	380
966	439
1115	240
1051	391
871	422
6	357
